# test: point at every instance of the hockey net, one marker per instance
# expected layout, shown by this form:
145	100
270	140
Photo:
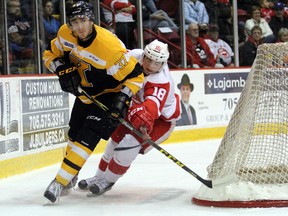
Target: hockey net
255	144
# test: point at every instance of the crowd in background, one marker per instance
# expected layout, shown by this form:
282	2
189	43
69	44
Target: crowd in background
208	24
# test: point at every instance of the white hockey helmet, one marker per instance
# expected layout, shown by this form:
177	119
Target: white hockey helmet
157	51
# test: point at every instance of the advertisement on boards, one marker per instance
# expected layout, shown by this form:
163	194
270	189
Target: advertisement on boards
9	116
45	113
35	111
208	97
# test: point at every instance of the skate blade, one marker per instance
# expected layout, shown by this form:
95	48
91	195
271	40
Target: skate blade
47	202
81	190
96	195
92	195
66	192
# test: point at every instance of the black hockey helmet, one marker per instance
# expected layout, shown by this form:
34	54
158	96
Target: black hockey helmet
80	9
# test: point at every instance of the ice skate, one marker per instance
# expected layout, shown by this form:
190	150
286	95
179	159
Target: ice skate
53	191
100	187
71	185
85	184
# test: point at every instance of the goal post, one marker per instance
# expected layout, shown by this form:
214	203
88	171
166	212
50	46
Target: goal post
255	144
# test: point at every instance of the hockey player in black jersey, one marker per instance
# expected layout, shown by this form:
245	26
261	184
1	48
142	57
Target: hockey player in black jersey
86	55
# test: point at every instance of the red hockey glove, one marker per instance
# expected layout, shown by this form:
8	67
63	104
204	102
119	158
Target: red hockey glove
139	117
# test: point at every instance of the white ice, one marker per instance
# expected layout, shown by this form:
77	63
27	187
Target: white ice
154	185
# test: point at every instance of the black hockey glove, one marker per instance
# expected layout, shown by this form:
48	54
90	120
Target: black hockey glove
69	78
119	107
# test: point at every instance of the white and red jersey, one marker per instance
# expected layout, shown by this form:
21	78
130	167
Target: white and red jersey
221	50
158	96
160	100
158	93
117	6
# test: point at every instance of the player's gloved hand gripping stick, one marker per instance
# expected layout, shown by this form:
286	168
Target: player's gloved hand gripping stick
69	78
206	182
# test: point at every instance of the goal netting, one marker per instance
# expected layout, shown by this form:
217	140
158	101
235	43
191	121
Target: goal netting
255	144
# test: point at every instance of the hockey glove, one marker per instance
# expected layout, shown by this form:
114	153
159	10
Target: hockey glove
119	107
139	117
69	78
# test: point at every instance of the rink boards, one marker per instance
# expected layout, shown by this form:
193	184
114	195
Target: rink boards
35	112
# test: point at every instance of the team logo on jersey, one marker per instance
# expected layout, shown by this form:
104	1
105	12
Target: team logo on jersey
122	62
223	53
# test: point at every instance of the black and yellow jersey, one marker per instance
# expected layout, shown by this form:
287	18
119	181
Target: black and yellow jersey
103	61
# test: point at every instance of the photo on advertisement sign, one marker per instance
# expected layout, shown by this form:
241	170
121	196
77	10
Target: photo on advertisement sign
9	121
7	124
188	115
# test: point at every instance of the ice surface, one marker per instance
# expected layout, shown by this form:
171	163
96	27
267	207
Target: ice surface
154	185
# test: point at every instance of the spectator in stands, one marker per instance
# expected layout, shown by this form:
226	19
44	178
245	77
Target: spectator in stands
148	3
1	47
247	4
195	12
226	27
154	18
68	3
26	9
279	20
282	35
56	6
256	19
249	50
198	48
51	25
3	70
1	61
223	53
267	11
19	37
213	9
171	7
125	23
188	115
226	2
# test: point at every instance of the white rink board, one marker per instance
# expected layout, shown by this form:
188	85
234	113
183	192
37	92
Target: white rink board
39	111
215	95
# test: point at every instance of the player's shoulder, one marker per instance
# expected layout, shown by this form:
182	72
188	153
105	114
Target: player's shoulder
64	30
137	53
108	40
66	37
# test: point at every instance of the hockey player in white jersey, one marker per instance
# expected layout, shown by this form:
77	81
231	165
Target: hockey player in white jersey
154	111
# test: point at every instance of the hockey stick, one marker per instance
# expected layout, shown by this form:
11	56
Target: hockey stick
206	182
